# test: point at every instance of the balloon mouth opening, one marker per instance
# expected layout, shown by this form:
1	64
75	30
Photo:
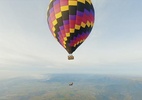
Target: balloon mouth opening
70	57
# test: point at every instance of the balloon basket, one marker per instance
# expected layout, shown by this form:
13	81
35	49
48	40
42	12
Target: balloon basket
70	57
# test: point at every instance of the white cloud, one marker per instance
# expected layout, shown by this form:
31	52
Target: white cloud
8	74
29	44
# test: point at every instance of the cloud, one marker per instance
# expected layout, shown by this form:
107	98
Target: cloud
27	44
8	74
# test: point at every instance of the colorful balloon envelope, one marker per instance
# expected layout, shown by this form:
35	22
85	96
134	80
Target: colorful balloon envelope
70	22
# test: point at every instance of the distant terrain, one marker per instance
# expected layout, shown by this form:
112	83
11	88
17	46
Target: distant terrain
85	87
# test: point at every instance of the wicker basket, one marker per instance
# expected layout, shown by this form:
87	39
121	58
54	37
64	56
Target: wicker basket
70	57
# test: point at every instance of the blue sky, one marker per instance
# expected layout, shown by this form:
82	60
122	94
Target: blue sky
28	47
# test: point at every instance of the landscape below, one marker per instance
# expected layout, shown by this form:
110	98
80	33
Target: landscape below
85	87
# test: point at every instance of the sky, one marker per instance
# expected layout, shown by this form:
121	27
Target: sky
27	47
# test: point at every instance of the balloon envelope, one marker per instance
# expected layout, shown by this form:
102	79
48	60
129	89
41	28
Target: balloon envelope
70	22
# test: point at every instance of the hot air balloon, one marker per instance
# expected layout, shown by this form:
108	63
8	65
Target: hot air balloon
70	22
